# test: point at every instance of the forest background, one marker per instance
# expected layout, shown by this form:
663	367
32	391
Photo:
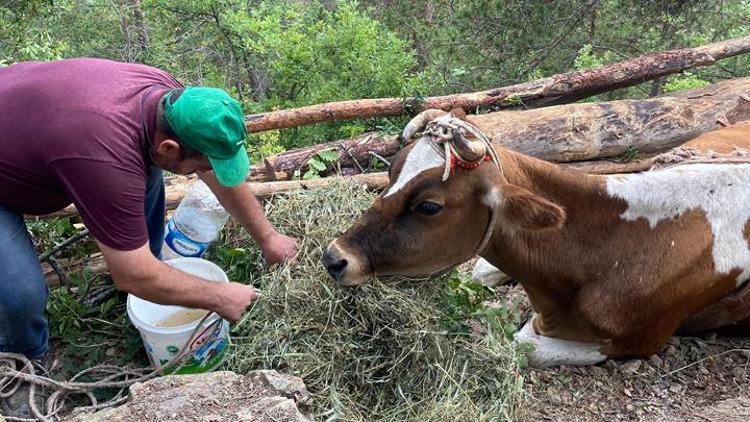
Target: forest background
285	54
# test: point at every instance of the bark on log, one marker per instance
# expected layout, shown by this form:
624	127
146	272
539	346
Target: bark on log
556	89
573	132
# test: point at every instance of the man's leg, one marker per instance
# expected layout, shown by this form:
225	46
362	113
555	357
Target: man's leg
23	290
155	209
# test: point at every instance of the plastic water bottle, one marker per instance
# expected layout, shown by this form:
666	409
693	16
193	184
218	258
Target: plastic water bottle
196	223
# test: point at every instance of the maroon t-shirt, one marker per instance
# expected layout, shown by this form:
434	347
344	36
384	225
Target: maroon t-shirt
72	131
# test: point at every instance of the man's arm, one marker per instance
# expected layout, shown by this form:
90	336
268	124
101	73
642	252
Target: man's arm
241	204
139	273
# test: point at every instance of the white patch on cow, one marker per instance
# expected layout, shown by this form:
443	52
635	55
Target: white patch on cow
487	274
722	191
549	351
421	158
492	198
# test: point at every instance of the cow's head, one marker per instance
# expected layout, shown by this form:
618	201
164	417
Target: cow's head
446	197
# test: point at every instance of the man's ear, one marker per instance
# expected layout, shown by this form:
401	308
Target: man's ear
523	209
167	147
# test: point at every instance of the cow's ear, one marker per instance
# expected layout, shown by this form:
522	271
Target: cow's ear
523	209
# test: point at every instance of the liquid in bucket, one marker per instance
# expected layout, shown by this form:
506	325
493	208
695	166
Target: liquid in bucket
182	317
166	329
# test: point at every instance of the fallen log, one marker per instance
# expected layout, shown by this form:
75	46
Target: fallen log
565	133
557	89
177	187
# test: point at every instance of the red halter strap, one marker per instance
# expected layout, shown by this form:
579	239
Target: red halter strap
457	162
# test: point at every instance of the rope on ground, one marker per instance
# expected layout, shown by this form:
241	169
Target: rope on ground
11	379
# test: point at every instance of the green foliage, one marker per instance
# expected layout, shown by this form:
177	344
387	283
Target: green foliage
313	55
631	154
319	163
686	81
49	231
586	59
462	299
264	144
21	38
86	335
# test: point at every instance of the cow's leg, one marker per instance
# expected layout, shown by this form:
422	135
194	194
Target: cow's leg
645	342
487	274
549	351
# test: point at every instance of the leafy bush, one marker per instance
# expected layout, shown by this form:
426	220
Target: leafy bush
683	82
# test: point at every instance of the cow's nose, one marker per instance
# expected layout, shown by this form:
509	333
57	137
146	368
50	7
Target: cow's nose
335	265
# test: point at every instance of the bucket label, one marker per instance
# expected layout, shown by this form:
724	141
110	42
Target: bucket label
180	243
207	351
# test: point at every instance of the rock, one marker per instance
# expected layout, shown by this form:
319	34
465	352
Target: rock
261	396
598	371
735	409
631	367
656	361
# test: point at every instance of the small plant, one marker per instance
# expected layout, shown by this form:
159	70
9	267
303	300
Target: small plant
376	164
462	299
319	163
586	59
684	82
388	127
513	100
88	334
630	154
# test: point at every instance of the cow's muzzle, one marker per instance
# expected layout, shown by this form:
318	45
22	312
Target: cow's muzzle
342	266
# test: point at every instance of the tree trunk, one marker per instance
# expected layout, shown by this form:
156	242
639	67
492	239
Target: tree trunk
556	89
573	132
139	21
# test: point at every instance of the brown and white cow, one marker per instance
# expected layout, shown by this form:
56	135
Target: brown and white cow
613	265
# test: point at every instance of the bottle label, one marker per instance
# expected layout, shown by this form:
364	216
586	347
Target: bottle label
182	244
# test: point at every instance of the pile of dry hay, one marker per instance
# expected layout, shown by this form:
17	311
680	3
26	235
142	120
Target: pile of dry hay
376	352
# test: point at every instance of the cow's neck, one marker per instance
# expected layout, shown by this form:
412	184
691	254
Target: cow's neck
531	257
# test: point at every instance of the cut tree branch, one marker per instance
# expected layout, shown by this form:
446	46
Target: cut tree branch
556	89
573	132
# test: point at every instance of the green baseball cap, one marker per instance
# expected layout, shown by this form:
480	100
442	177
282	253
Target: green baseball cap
211	122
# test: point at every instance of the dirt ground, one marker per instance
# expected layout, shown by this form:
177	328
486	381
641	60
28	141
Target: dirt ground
694	379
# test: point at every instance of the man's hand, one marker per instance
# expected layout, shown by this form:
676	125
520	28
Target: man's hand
244	206
279	248
238	298
139	273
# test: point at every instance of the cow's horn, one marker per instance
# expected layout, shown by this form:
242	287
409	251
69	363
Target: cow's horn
467	150
420	121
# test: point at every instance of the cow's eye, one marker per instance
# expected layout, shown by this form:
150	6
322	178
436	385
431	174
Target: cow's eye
428	208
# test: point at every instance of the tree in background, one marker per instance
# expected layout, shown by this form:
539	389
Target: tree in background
475	45
282	54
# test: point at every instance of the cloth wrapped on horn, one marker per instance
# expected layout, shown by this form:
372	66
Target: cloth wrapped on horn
449	135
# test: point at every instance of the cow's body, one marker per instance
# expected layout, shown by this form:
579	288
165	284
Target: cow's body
631	260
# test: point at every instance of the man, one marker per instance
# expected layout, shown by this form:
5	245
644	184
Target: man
97	133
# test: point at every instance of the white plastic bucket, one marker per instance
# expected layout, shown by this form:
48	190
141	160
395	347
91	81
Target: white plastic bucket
208	348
